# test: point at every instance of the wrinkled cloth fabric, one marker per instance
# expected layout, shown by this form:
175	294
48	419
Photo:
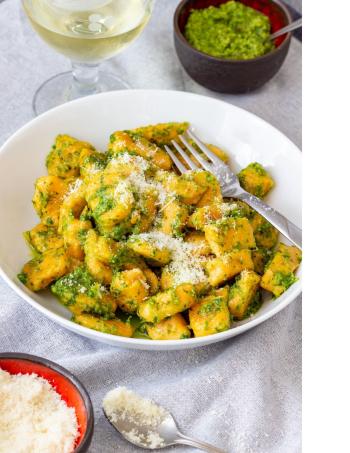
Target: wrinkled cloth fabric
244	394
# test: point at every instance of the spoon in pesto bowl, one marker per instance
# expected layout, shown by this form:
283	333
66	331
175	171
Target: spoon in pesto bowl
146	424
290	27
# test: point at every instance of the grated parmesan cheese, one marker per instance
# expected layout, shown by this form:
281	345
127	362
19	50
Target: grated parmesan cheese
138	178
73	187
142	416
33	417
123	193
185	266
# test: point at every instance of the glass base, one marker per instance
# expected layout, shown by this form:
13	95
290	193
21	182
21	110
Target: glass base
60	89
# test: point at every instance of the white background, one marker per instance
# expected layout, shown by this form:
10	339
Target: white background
326	305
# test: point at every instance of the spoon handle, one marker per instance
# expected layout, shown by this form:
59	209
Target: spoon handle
198	444
293	26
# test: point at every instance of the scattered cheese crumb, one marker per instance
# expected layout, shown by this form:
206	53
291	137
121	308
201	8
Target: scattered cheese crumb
142	414
33	417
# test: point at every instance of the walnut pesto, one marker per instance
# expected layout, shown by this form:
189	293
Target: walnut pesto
132	248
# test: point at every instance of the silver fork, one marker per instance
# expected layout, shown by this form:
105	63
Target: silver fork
229	183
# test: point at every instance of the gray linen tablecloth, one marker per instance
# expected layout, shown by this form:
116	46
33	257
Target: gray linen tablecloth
243	394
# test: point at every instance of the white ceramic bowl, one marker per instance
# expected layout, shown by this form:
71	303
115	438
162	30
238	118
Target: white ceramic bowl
244	136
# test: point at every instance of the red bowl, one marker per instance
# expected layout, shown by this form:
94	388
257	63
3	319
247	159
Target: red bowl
68	386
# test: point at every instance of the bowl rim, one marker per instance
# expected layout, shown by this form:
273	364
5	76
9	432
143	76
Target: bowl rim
232	61
85	442
140	343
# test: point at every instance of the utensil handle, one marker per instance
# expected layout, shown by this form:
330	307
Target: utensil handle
293	26
184	440
283	225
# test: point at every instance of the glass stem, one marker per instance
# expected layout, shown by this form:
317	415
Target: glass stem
85	78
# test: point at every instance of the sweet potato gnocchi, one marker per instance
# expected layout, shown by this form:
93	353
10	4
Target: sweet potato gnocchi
132	248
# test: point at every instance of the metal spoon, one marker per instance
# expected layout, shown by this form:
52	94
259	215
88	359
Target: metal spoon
292	26
167	431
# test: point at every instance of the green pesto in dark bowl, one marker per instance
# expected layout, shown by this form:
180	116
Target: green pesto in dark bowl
231	30
225	73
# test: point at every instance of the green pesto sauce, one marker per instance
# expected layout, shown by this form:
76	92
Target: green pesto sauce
232	31
212	306
284	279
22	277
68	287
257	168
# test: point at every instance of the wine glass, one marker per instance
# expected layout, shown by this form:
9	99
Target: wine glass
87	32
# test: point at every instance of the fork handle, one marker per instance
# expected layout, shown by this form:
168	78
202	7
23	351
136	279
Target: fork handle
283	225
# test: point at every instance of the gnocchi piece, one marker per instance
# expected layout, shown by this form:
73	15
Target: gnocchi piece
211	314
125	259
146	212
266	236
260	258
99	254
172	328
184	186
110	207
228	234
154	254
74	236
173	219
48	198
72	205
124	165
111	326
81	293
105	305
102	247
242	293
43	238
92	164
198	239
128	141
279	273
66	156
168	280
162	133
130	288
152	280
38	273
256	180
96	183
212	193
204	215
224	267
167	303
208	214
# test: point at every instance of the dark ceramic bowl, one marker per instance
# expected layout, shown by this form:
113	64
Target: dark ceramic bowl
68	386
232	76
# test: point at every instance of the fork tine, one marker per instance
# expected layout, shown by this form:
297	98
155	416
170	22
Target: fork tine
188	160
213	157
205	164
178	164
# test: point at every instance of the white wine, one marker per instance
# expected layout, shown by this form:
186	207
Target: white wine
88	31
